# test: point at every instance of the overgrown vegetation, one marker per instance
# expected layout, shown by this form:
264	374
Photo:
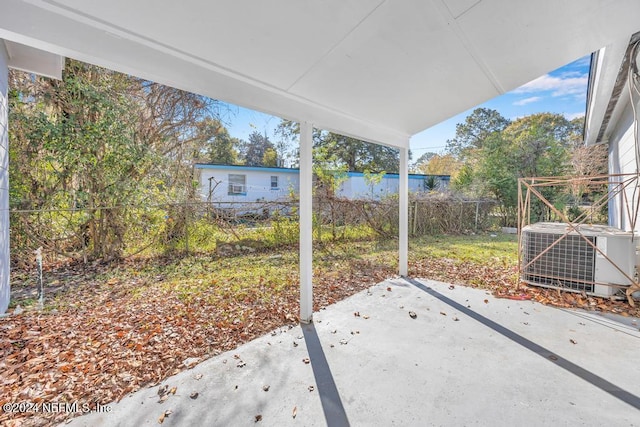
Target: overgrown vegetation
196	227
88	150
490	153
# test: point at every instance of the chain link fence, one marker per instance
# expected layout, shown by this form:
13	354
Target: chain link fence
104	233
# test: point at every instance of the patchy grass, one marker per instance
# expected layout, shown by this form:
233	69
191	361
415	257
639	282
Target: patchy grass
108	330
483	248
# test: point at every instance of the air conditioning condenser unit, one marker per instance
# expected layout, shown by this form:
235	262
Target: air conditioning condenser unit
556	256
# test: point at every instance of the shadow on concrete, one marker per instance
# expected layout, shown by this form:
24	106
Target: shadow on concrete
334	412
588	376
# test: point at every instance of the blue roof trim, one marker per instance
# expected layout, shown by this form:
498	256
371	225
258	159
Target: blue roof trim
245	168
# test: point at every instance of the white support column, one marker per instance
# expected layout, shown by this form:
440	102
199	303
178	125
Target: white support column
5	290
403	192
306	222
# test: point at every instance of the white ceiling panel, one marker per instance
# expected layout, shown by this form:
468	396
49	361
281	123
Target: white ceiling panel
271	41
540	38
405	57
458	7
380	70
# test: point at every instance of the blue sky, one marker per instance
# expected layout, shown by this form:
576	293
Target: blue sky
562	91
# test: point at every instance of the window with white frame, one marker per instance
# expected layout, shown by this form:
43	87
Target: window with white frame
274	182
237	184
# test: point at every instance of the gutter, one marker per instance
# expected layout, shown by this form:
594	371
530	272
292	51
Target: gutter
621	81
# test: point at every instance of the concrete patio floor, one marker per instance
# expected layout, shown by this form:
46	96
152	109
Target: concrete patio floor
466	359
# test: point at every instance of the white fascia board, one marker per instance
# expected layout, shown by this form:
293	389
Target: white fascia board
607	67
32	60
42	29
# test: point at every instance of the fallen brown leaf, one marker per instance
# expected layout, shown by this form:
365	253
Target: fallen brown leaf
163	390
164	415
143	340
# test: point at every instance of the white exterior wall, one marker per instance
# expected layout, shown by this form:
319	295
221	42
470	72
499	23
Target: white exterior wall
622	159
357	187
257	182
5	290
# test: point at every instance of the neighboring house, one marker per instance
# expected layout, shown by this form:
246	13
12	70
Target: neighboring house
242	184
611	119
227	183
358	185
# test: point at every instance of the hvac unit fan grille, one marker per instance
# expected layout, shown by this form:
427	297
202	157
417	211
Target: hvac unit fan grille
568	264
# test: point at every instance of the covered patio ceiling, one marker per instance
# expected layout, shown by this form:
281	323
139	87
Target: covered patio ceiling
379	70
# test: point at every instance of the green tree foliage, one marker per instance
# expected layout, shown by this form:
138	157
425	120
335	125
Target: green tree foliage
103	142
496	175
359	156
430	183
338	152
253	151
541	143
270	158
536	145
463	181
471	134
219	146
440	164
424	159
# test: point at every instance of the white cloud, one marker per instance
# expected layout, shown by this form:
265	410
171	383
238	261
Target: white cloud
566	84
585	61
571	116
529	100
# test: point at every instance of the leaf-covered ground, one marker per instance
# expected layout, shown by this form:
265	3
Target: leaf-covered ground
108	330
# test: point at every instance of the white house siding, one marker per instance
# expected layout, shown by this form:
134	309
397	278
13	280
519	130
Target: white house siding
257	183
622	159
5	291
358	187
